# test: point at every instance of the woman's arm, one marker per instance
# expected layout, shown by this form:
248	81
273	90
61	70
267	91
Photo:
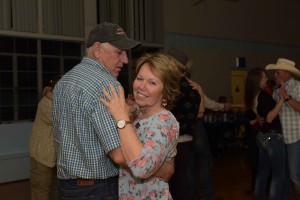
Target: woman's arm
274	112
143	159
130	143
160	136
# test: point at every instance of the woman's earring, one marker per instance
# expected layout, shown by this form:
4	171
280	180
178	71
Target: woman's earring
164	103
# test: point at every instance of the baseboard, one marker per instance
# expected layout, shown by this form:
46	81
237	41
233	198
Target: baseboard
14	167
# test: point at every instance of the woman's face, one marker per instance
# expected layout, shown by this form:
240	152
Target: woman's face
263	80
147	88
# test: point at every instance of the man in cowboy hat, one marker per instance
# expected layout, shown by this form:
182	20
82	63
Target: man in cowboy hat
290	113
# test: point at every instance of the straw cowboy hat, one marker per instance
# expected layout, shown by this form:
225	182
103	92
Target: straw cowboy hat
284	64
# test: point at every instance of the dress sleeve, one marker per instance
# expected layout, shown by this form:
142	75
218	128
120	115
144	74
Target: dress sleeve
159	144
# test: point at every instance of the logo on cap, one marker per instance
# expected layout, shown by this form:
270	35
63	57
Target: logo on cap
120	31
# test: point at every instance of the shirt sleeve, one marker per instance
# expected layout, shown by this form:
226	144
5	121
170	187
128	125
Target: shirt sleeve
102	121
213	105
159	145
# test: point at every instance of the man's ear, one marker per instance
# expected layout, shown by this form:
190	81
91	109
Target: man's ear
96	49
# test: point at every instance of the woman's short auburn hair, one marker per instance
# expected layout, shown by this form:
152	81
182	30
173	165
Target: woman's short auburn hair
166	69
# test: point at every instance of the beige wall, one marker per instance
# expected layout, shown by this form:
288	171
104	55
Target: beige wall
272	21
214	32
90	15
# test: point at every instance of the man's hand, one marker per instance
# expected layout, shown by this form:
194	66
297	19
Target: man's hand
195	85
227	107
166	171
283	93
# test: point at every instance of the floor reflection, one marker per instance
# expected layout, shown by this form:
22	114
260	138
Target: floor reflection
230	170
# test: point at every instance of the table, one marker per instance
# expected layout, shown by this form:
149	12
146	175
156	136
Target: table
222	134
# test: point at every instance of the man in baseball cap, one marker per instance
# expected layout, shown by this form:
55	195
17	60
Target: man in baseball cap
85	134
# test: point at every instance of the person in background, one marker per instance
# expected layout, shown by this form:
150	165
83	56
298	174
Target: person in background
85	134
289	89
210	103
201	151
43	180
186	112
152	137
252	127
272	152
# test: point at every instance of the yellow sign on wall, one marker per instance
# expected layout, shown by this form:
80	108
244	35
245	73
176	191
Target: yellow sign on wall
238	77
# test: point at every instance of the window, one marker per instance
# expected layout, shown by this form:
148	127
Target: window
54	17
24	71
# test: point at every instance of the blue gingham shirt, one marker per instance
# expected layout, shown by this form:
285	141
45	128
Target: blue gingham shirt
290	118
84	131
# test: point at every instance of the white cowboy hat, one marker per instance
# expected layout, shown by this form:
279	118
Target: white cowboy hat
284	64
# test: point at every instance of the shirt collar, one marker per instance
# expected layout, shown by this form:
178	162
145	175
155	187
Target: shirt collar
97	64
290	82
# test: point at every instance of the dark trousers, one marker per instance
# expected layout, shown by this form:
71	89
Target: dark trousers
252	154
179	181
201	156
100	189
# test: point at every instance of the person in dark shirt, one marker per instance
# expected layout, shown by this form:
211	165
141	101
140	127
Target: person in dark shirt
186	112
272	155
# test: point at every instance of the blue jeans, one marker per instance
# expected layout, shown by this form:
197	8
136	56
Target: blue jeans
201	153
293	157
106	189
272	159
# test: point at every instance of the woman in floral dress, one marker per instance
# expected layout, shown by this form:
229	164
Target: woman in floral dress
151	138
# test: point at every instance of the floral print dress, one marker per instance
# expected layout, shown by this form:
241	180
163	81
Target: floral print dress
159	135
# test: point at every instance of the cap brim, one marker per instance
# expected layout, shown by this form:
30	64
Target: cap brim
125	44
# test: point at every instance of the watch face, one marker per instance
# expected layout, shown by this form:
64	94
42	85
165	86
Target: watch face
121	123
